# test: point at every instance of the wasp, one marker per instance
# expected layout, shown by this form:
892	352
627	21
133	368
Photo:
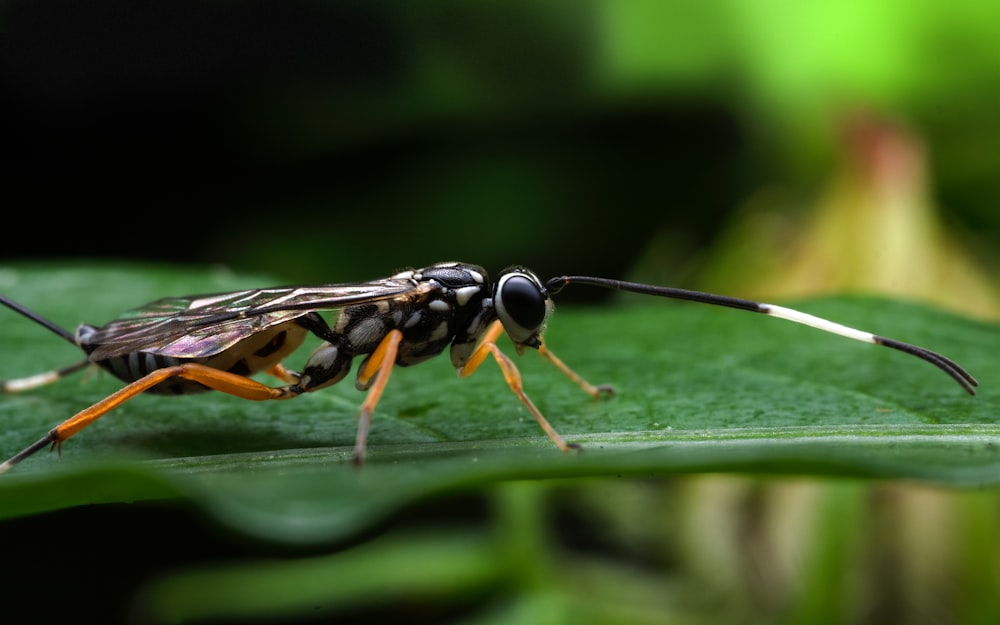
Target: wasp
181	345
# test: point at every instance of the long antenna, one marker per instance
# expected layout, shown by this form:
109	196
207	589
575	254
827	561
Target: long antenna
23	384
960	375
42	321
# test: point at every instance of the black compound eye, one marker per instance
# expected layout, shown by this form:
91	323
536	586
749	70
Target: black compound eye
523	302
522	306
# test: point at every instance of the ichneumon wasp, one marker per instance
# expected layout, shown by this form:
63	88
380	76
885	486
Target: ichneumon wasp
192	344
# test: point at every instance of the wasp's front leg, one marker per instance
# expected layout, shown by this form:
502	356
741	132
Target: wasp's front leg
590	389
488	347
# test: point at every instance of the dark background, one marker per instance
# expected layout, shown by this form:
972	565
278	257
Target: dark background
332	141
316	141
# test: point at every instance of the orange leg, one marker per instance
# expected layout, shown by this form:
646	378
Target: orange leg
513	377
374	376
224	381
593	391
285	375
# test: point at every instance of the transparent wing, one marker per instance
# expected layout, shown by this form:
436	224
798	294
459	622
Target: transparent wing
202	325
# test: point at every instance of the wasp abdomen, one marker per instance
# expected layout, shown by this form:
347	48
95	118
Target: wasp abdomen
256	353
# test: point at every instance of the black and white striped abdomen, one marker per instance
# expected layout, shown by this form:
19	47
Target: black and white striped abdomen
131	367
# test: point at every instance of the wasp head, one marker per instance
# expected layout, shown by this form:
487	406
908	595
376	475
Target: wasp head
522	304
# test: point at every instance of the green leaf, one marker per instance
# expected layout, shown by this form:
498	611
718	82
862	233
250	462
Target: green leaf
699	389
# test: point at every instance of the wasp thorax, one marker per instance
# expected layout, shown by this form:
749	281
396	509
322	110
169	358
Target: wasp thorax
522	305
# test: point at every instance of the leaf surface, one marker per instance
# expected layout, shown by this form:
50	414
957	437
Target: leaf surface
698	389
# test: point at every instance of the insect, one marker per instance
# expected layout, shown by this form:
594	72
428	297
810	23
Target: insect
180	345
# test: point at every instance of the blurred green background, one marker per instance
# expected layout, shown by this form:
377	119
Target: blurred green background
764	149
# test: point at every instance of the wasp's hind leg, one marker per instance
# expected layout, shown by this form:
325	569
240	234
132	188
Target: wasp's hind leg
41	379
230	383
